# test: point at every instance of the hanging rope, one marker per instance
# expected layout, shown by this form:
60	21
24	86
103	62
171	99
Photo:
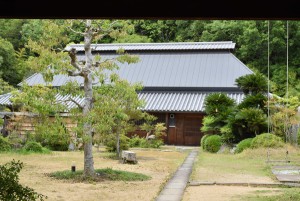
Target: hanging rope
287	89
268	152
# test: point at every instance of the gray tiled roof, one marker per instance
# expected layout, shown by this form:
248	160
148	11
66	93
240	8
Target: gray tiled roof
222	45
158	101
5	100
180	101
173	69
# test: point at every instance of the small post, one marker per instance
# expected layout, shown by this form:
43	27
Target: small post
73	167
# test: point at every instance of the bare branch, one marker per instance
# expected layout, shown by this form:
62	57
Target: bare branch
77	32
108	29
74	73
70	27
73	57
72	100
97	64
75	102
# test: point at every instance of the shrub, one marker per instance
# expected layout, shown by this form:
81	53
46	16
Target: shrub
137	141
111	143
244	144
267	140
10	188
33	146
4	144
212	143
203	140
52	135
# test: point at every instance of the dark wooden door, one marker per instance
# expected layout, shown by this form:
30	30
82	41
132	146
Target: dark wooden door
179	129
191	130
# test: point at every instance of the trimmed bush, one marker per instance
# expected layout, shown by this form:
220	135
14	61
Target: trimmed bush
33	146
212	143
267	140
137	141
203	140
242	145
4	144
111	143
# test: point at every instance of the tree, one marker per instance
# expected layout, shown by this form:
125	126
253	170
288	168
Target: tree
8	61
283	116
51	59
252	83
217	107
117	117
11	31
248	123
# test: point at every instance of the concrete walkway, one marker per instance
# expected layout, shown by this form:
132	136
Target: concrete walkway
174	189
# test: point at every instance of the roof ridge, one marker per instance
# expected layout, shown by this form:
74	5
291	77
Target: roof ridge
216	45
155	44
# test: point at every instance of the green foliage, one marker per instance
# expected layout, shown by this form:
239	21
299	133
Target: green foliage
106	173
202	141
267	140
10	188
37	99
52	134
212	143
11	31
210	125
227	134
218	104
242	145
141	142
111	146
8	71
5	87
136	141
253	83
283	115
33	146
5	145
254	101
248	122
157	30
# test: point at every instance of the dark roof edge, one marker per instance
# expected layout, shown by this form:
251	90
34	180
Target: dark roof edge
191	89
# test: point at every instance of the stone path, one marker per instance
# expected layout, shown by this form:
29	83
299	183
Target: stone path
287	174
174	189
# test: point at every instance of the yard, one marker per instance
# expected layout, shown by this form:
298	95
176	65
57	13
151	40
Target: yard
159	164
248	167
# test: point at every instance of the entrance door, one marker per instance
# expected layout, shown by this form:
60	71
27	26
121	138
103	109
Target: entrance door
186	129
191	130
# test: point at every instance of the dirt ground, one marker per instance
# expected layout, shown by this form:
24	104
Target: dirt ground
160	165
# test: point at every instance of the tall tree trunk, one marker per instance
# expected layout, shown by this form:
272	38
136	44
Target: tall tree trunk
89	170
118	143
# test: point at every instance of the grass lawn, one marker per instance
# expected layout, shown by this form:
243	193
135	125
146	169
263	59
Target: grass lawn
157	164
248	166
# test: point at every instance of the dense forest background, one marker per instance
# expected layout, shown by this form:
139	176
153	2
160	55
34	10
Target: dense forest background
251	38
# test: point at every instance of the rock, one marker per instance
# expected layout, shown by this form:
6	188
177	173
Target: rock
151	137
71	146
128	156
